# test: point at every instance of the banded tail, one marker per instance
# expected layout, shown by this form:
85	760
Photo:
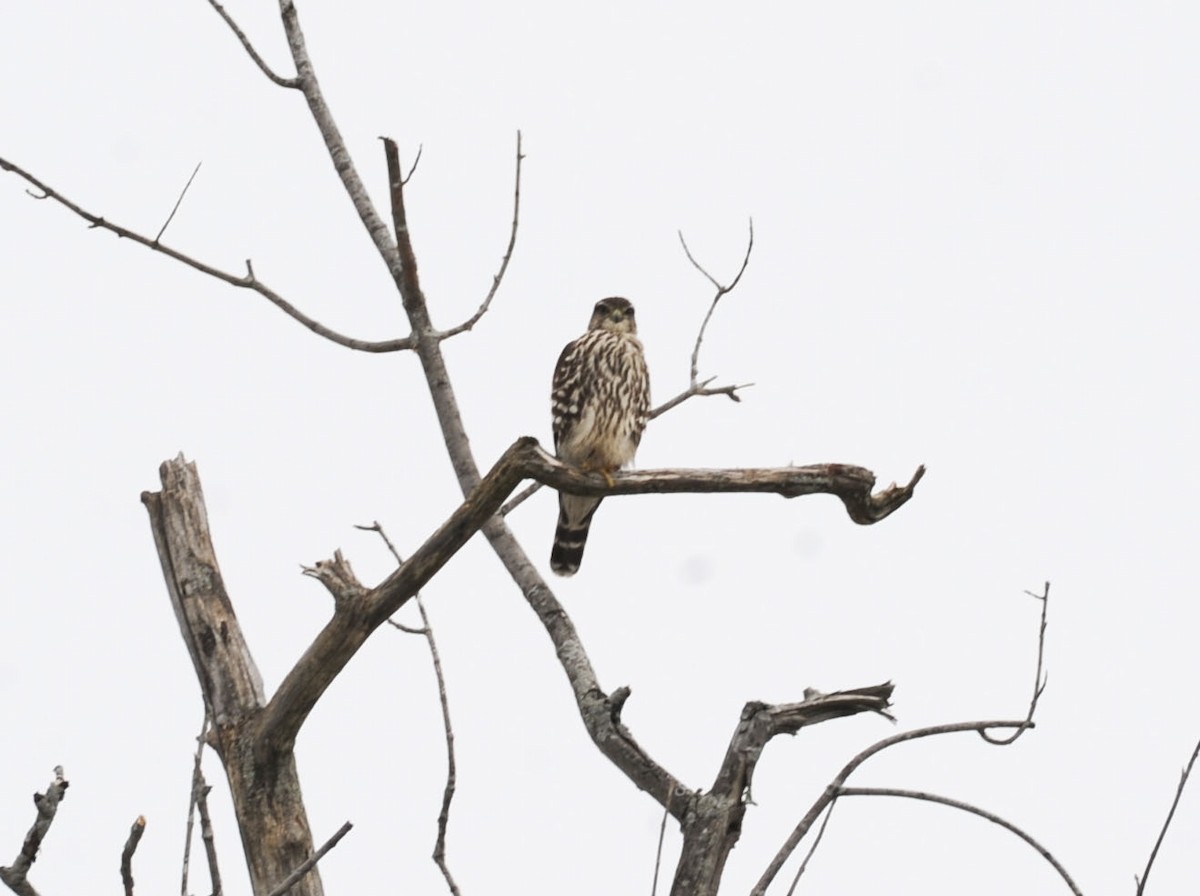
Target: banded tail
574	520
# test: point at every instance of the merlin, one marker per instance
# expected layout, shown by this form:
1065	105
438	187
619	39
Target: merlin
600	402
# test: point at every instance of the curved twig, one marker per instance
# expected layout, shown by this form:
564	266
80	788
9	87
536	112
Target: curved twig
966	807
812	849
293	83
499	275
249	281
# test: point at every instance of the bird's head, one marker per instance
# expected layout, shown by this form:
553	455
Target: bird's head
614	314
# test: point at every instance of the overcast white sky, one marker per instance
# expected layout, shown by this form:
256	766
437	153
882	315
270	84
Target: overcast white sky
977	229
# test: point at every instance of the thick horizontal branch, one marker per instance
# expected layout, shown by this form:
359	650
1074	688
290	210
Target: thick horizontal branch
360	610
852	484
246	281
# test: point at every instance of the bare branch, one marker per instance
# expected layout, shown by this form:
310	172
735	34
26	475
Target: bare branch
14	876
292	83
834	787
335	145
175	208
499	275
249	281
294	878
1183	778
1039	681
131	845
600	712
966	807
699	390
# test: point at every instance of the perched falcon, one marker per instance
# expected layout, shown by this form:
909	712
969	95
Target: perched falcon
600	402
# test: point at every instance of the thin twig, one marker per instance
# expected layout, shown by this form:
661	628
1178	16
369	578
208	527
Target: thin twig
662	834
249	281
131	845
1183	777
14	875
308	864
413	170
293	83
170	217
206	836
812	849
192	798
721	291
834	787
518	499
1039	681
439	848
966	807
426	630
508	252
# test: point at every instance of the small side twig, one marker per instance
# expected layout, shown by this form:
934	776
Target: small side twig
812	849
1183	778
206	836
426	630
193	797
131	845
293	83
662	835
178	202
15	875
308	864
1039	680
498	277
966	807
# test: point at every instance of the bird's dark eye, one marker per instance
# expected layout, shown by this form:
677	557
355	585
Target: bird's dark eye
603	308
629	311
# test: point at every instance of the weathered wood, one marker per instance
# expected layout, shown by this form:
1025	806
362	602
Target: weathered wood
264	782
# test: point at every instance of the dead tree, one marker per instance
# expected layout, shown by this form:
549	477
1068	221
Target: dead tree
254	734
